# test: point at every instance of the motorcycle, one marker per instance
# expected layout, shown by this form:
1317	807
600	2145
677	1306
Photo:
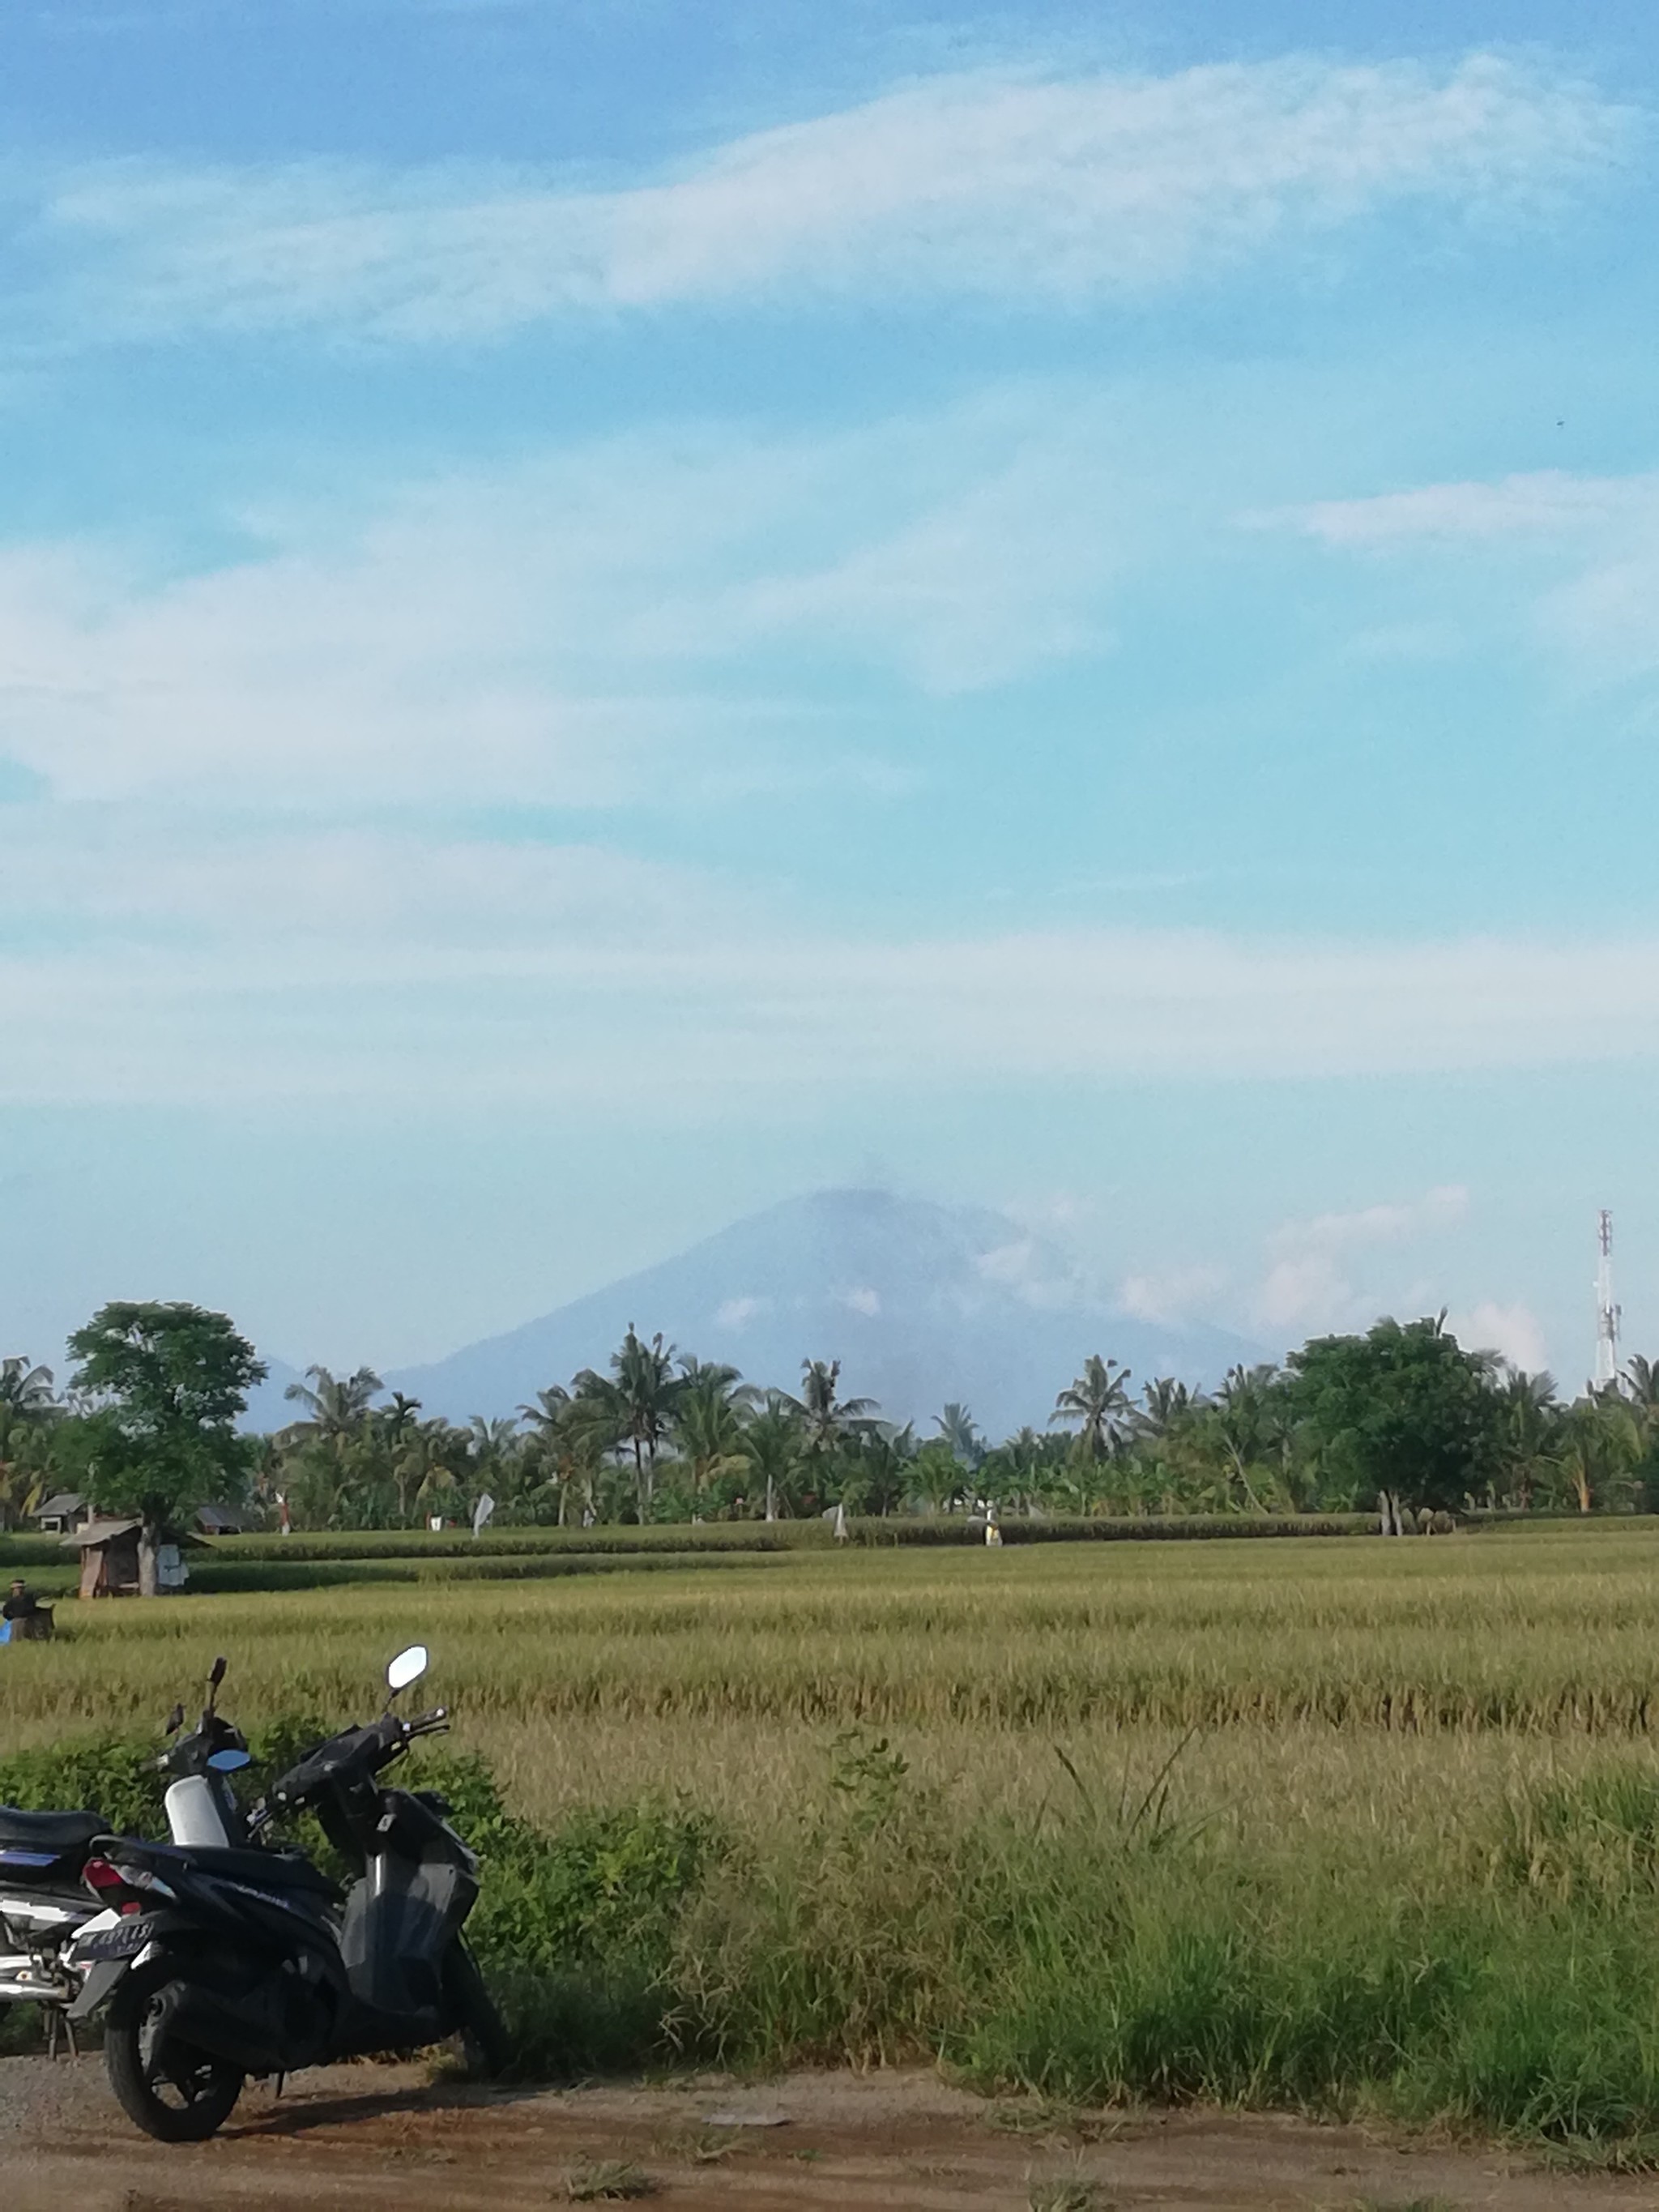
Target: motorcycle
44	1909
223	1962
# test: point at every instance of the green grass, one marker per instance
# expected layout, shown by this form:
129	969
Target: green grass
1340	1827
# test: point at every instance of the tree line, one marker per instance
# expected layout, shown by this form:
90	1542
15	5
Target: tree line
1402	1418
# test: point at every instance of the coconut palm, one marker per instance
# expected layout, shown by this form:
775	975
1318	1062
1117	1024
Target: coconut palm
1165	1405
336	1405
956	1429
708	1421
828	1419
639	1399
1601	1445
26	1390
1532	1429
773	1444
879	1461
1096	1404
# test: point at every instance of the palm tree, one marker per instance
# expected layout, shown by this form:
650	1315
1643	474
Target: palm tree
1532	1423
708	1421
26	1390
1165	1405
1249	1423
773	1444
335	1406
641	1397
1096	1404
829	1419
956	1427
29	1409
1601	1444
879	1462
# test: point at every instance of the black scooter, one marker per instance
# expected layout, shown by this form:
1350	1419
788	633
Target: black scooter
231	1961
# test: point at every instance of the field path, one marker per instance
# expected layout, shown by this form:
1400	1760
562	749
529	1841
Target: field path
383	2140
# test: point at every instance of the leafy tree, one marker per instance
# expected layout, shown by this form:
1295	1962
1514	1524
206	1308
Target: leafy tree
167	1382
1403	1411
1096	1404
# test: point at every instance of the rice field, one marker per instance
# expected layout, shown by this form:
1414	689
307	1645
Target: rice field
1333	1823
1551	1632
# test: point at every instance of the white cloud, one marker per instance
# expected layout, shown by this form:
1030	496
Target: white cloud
736	1313
1548	502
1592	546
1514	1331
862	1300
1311	1279
996	184
556	633
196	976
1171	1294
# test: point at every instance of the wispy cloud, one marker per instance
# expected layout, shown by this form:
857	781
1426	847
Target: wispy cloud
357	967
1592	546
559	632
1547	502
1001	185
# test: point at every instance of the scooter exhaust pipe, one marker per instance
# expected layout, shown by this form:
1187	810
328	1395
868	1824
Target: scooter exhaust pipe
23	1980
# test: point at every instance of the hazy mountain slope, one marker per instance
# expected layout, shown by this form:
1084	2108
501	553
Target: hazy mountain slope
267	1406
921	1304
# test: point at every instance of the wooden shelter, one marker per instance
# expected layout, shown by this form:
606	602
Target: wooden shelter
109	1557
61	1513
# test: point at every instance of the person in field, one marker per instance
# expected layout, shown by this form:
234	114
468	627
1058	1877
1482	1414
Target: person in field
21	1604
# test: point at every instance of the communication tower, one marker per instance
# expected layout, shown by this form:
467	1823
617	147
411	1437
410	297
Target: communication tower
1607	1312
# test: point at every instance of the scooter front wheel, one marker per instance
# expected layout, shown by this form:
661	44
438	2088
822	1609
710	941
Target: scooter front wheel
483	2037
172	2089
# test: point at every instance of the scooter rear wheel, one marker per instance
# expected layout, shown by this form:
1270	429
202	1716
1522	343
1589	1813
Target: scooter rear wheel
172	2089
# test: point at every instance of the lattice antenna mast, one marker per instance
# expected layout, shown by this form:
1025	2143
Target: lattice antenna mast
1607	1312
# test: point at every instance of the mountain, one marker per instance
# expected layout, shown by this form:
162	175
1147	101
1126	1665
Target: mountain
921	1304
267	1406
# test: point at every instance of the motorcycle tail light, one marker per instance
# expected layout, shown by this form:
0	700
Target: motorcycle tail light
99	1874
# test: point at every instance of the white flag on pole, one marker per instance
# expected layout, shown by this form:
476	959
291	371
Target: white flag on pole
481	1511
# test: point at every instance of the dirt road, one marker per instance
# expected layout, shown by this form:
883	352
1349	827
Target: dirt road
386	2139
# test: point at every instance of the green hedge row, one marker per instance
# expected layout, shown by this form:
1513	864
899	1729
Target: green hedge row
523	1543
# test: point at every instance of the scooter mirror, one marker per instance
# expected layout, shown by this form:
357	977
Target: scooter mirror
216	1672
229	1761
175	1721
408	1667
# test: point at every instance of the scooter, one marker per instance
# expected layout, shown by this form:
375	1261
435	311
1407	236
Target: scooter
44	1909
219	1963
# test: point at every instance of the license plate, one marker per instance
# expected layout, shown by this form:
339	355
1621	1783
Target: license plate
115	1943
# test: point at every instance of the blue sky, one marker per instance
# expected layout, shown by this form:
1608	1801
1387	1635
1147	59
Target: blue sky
608	612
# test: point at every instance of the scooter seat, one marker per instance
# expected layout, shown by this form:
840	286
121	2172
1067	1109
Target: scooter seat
263	1869
51	1832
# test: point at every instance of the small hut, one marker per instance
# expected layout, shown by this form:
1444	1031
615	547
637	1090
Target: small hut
109	1557
61	1513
